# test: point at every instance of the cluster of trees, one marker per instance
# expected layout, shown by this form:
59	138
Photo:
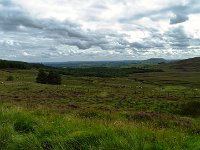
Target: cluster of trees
51	77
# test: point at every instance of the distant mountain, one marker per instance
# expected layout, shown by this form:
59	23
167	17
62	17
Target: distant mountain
154	61
120	63
88	64
192	64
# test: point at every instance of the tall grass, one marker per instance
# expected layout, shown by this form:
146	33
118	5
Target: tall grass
35	130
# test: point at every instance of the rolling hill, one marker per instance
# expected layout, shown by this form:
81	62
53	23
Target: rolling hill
191	64
7	64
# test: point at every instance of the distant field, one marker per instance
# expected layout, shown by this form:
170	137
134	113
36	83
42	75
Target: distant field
113	93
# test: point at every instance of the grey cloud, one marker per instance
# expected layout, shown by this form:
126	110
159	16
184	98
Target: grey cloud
142	45
175	38
178	38
66	32
180	11
178	19
147	43
156	40
12	16
155	14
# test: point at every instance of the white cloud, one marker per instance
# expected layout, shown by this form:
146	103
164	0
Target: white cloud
26	54
107	29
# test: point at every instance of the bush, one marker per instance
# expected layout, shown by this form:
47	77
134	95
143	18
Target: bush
10	78
42	77
53	78
191	108
50	78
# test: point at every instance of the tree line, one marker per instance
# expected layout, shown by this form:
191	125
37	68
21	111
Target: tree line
5	64
106	71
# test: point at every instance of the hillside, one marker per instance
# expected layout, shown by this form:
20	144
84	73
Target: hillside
7	64
88	71
192	64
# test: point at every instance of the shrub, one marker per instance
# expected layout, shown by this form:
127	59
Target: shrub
50	78
191	108
42	77
54	78
10	78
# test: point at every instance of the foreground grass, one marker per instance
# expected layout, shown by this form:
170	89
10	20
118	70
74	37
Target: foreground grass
39	129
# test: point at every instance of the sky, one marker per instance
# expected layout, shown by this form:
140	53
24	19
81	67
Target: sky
93	30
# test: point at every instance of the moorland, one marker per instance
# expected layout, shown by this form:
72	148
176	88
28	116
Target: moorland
131	106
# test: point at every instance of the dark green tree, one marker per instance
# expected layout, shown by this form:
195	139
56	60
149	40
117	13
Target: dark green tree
42	77
54	78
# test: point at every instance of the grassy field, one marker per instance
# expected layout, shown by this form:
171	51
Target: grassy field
159	110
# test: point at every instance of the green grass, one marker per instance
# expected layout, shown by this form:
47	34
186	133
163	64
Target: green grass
142	111
38	129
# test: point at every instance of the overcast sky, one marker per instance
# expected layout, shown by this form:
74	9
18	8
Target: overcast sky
66	30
